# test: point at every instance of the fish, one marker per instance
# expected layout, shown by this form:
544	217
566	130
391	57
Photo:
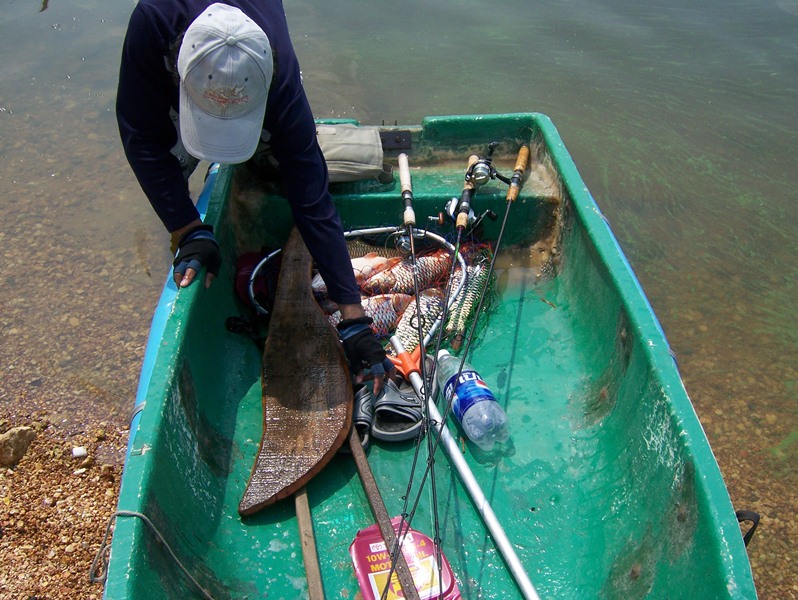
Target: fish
462	310
386	310
367	266
357	248
363	267
397	275
431	303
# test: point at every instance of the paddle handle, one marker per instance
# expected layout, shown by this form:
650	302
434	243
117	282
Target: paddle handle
407	190
521	164
380	513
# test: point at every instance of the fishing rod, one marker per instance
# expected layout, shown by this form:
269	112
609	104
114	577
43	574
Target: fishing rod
463	208
478	172
464	215
485	172
515	182
395	542
416	365
409	218
471	484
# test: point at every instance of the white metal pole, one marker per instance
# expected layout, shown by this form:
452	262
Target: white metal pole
472	486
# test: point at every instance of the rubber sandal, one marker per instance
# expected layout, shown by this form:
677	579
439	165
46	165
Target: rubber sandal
362	416
397	413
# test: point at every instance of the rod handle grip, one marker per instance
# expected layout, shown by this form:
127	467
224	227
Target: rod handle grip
469	183
521	164
409	215
404	173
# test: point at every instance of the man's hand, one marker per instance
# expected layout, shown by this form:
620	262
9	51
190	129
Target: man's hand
363	351
197	248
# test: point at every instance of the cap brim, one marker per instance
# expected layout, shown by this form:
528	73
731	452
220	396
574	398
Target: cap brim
222	140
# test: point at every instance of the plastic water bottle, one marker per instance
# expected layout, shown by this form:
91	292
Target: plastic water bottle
474	405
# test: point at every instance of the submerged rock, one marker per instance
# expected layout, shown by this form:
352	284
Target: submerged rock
13	445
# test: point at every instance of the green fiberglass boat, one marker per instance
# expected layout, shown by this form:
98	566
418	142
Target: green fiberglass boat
607	487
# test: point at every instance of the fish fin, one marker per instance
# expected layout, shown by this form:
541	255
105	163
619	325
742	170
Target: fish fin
393	261
400	302
379	268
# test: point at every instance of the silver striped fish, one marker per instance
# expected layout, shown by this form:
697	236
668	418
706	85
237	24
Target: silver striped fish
431	301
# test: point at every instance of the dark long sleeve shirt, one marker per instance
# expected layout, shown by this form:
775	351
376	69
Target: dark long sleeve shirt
148	90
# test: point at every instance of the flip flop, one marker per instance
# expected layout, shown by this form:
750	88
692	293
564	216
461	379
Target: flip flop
362	416
398	413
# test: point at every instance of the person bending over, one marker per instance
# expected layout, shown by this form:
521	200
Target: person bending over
216	82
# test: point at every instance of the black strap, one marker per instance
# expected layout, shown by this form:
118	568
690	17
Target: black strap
245	326
748	515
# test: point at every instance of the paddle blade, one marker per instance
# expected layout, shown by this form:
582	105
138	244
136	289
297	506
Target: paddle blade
307	390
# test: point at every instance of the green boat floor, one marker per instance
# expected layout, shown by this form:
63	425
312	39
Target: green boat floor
544	485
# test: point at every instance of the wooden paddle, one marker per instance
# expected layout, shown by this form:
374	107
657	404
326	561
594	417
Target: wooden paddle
307	390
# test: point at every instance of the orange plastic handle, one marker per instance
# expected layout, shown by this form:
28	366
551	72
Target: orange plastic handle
408	362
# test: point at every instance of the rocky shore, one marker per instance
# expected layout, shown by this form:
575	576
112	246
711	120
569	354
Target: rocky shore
58	489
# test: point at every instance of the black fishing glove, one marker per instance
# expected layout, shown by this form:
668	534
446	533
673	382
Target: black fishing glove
362	348
197	248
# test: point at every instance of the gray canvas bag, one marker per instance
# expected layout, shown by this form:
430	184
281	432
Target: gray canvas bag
353	153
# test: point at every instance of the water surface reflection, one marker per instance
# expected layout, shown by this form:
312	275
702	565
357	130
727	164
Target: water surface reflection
679	115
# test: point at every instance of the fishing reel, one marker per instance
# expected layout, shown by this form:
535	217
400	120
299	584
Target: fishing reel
481	170
451	210
403	243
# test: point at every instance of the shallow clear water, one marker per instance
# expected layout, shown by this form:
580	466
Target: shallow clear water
680	116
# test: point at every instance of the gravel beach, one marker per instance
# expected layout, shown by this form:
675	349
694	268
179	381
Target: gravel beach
55	507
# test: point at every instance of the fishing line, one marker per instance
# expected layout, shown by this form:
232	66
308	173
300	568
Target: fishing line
521	163
432	444
515	181
409	219
480	501
398	540
463	210
426	391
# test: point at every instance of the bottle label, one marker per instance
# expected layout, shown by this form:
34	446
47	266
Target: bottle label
469	389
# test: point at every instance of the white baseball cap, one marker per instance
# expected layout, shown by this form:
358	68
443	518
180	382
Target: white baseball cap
225	66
